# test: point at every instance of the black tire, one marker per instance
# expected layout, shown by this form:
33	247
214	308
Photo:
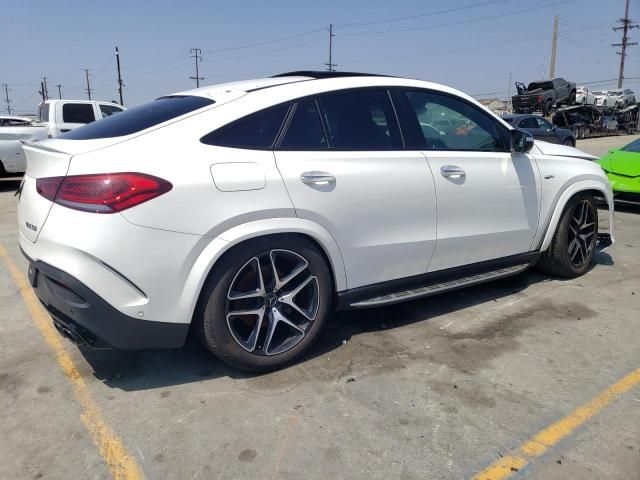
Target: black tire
548	106
572	99
556	259
210	320
569	142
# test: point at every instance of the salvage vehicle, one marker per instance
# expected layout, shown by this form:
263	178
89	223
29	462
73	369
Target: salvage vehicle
62	116
589	121
280	200
543	95
623	170
620	98
585	96
602	100
54	118
541	129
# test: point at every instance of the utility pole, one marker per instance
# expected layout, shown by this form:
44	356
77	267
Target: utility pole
554	44
330	65
6	96
120	84
41	91
86	72
509	95
627	25
46	87
197	55
59	90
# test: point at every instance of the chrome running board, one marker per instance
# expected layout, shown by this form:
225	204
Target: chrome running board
439	287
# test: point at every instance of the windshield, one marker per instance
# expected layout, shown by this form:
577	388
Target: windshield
139	118
614	94
542	85
599	92
632	147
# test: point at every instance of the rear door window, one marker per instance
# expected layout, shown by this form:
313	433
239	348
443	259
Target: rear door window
528	123
361	120
305	130
139	118
257	131
78	113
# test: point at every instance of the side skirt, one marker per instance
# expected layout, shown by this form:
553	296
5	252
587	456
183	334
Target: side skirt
419	286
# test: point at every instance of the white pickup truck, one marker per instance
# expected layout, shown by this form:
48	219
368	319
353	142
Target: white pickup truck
54	118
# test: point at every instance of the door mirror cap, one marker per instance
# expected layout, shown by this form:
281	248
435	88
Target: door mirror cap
521	141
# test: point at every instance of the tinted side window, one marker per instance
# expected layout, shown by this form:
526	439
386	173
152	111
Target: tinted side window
305	131
139	118
361	120
257	131
448	123
528	123
542	123
77	113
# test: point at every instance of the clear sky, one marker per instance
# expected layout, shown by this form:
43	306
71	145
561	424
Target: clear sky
472	45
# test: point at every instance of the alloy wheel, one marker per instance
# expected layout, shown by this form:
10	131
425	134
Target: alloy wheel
582	233
272	302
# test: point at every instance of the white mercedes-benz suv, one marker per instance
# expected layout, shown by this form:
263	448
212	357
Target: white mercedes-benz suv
249	211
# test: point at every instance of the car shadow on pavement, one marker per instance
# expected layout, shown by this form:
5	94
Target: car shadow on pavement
9	184
150	369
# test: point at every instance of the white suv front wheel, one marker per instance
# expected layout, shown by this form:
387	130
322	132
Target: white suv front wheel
265	302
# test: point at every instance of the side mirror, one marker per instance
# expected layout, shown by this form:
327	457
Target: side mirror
521	141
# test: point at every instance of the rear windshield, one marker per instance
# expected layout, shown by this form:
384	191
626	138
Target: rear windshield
139	118
542	85
632	147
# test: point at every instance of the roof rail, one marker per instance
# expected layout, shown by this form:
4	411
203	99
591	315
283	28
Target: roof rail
319	74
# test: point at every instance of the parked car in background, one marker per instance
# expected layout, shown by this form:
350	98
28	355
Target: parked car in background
54	118
620	98
601	99
282	198
543	95
14	121
585	96
623	170
64	115
541	129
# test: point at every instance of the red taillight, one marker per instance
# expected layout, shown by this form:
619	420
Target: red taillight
102	193
539	98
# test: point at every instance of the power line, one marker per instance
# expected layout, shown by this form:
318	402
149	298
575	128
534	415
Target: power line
626	25
460	22
267	42
196	56
421	15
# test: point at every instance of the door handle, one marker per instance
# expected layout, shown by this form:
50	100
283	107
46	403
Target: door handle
317	178
452	171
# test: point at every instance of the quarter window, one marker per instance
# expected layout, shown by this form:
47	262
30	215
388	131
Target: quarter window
305	131
77	113
361	120
255	131
108	110
448	123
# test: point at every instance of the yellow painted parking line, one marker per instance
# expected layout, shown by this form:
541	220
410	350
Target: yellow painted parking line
121	463
550	436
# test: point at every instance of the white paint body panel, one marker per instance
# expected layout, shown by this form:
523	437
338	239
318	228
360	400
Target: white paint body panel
388	215
491	212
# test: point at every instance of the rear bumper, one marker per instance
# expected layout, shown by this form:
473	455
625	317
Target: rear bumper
82	315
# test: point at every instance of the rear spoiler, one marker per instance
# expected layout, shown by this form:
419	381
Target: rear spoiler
39	146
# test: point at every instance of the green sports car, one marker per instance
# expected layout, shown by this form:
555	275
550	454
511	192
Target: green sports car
623	169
